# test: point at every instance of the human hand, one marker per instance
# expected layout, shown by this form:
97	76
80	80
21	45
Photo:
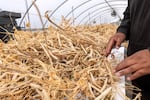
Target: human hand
116	41
137	65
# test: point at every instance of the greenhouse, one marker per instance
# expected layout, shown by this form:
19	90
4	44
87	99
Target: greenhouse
74	50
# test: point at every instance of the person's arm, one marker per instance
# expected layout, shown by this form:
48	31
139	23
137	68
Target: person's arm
137	65
125	23
122	33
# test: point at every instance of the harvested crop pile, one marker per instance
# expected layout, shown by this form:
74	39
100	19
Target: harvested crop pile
58	65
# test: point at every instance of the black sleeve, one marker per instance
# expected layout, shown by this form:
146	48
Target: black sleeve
125	23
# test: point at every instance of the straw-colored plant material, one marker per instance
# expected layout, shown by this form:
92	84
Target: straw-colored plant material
58	65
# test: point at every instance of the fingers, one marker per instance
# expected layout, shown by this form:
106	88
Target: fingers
125	63
116	41
136	65
110	45
128	70
141	70
136	75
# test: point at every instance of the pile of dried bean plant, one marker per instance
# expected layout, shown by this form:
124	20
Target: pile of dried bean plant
58	64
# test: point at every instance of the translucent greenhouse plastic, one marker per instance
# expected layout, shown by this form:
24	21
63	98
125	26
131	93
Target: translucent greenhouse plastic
79	11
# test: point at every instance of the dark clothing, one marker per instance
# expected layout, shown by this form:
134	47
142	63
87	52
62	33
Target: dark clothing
136	27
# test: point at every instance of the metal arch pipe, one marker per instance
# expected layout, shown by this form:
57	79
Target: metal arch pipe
87	16
104	12
87	22
90	13
26	3
88	9
27	12
112	9
77	7
101	13
95	12
94	7
98	16
88	2
59	6
108	4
